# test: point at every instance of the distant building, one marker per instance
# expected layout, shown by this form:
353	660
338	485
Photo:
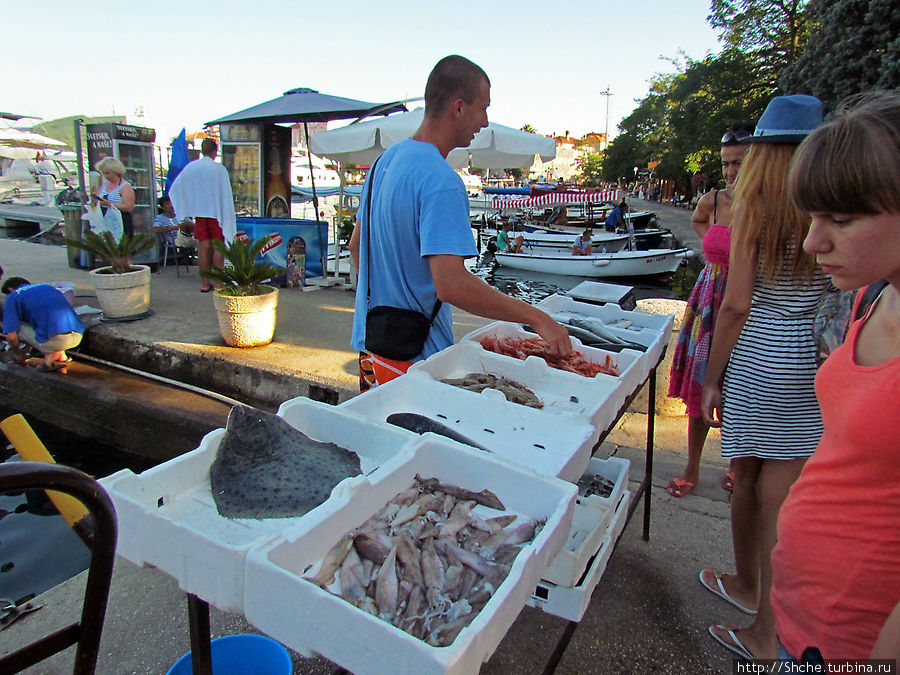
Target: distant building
569	151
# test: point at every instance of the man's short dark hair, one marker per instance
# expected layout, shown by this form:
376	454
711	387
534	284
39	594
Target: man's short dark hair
209	147
452	77
12	284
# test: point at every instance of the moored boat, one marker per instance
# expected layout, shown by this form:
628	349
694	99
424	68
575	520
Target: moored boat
619	264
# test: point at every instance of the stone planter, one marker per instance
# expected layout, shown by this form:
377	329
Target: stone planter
122	295
249	320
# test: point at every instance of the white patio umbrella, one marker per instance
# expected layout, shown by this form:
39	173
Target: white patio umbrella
494	147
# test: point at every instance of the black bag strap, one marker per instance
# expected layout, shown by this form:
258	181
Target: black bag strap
868	297
437	305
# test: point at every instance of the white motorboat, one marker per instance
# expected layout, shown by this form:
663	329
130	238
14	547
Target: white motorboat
604	242
619	264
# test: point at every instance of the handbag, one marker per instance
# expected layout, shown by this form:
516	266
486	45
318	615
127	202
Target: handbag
393	332
835	313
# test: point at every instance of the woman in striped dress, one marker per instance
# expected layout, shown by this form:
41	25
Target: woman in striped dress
767	407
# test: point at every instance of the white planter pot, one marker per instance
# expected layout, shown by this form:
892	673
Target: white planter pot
122	295
249	320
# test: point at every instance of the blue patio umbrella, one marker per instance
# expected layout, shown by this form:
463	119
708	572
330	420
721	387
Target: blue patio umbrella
178	161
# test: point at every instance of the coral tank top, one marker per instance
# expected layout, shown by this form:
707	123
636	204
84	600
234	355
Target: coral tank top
717	244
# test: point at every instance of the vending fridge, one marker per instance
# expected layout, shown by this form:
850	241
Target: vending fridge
133	146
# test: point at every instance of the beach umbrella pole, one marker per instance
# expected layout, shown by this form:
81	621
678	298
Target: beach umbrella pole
312	180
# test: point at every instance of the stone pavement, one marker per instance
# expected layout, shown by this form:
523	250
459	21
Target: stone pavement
648	613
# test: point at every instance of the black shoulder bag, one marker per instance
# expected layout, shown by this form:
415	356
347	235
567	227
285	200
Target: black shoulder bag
393	332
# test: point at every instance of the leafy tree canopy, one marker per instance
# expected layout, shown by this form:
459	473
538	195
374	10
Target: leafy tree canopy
854	47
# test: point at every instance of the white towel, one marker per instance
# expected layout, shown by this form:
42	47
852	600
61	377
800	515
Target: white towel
203	190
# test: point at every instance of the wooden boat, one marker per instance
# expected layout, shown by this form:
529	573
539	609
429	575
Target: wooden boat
619	264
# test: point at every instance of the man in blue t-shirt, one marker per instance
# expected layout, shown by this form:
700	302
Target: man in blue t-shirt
411	253
616	217
40	315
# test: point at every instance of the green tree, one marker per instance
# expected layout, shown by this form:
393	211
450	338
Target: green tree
770	32
854	47
591	166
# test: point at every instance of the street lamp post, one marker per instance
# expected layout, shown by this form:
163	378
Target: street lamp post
607	93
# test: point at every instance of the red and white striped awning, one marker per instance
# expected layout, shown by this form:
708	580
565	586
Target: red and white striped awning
558	198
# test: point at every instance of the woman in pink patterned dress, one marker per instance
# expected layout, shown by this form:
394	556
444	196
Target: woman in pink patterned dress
712	222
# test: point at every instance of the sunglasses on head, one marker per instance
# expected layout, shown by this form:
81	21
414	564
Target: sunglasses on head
735	136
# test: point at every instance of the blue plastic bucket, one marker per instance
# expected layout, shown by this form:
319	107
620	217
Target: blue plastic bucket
243	654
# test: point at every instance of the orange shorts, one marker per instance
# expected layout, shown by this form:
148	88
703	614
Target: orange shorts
375	370
207	228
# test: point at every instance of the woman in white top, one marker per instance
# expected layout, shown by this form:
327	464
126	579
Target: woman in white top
115	192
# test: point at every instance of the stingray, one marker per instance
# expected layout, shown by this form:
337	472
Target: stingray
265	468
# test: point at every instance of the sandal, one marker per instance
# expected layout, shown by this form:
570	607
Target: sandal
678	487
728	481
44	368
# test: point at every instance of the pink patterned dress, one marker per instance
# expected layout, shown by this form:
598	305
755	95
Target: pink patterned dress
695	338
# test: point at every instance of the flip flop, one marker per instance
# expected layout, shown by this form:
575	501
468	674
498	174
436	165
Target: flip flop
719	591
679	487
205	290
735	645
44	368
728	481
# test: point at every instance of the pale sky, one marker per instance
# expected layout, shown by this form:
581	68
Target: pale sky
186	63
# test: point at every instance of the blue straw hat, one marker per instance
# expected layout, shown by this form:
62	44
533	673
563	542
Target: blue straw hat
788	119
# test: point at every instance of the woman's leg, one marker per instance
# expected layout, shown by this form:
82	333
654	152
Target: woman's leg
774	482
697	432
743	585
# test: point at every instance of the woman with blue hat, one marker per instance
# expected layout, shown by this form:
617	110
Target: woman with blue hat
763	344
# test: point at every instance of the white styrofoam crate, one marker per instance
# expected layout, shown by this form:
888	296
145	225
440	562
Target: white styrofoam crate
589	526
168	518
311	620
651	330
571	603
614	469
516	433
627	362
593	401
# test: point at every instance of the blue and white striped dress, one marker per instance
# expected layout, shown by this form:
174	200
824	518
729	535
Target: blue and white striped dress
769	403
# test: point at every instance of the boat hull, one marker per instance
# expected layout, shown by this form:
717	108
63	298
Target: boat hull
621	264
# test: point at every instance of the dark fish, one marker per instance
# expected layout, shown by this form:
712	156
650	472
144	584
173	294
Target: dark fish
265	468
420	424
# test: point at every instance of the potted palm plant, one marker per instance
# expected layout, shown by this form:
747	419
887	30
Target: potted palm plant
123	289
245	305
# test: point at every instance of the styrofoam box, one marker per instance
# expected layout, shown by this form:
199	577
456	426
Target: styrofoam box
579	397
572	603
591	521
652	330
168	518
310	620
516	433
626	361
589	527
614	469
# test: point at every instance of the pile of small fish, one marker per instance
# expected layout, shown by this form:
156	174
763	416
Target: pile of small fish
514	392
522	348
427	562
595	485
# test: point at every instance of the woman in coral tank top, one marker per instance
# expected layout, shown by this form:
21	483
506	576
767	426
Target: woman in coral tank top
836	566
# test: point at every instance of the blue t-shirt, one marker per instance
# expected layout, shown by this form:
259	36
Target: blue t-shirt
44	308
614	217
420	208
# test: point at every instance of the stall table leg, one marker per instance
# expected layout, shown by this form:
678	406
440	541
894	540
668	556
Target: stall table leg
201	652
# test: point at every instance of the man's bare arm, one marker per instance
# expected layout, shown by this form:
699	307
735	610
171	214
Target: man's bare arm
459	287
